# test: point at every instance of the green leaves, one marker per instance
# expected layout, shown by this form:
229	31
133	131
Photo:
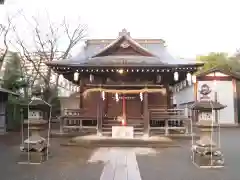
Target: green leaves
214	59
220	59
12	73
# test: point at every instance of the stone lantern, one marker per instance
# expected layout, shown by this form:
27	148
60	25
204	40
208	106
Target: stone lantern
35	146
206	152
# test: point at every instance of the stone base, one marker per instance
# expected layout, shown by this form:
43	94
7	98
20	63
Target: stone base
207	161
34	157
103	141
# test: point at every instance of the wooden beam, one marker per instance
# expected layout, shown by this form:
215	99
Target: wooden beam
125	85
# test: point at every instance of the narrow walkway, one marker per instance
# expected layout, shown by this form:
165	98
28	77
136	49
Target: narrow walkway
120	164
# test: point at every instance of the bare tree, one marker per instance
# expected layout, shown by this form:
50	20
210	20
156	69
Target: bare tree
4	30
46	48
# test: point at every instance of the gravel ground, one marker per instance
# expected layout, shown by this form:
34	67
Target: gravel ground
175	163
67	163
70	162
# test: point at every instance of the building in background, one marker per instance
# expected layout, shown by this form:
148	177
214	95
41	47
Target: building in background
65	89
226	86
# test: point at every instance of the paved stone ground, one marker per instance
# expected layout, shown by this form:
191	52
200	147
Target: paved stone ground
175	163
69	163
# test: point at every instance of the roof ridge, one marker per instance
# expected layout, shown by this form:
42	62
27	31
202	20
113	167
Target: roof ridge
126	35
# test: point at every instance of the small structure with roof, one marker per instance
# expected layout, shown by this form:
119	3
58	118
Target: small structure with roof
3	111
223	86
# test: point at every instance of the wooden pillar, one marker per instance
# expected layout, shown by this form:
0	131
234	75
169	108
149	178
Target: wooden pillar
142	107
124	110
216	111
105	105
100	114
146	114
81	85
235	100
168	97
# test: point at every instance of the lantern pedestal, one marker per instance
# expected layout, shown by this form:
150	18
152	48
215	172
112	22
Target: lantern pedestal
34	148
205	151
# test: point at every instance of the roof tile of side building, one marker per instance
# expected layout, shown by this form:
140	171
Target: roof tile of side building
229	72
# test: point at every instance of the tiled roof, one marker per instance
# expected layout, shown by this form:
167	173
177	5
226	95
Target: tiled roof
207	105
155	47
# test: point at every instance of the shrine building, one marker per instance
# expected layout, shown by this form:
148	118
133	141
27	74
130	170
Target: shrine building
124	81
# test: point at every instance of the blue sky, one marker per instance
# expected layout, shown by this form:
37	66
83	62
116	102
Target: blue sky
189	27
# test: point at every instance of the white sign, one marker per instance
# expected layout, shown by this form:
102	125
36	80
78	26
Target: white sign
122	132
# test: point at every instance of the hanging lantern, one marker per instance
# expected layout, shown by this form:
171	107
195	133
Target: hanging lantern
60	77
117	97
159	78
61	80
176	76
91	78
76	76
194	79
141	96
189	78
103	95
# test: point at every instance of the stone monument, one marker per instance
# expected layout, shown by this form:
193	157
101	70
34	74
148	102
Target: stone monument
206	152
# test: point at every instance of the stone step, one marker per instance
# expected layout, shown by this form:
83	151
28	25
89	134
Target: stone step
128	121
110	129
134	125
109	142
109	133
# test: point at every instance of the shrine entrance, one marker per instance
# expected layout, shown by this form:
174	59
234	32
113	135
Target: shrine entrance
127	106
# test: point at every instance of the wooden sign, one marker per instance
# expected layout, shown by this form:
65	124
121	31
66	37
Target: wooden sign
122	132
